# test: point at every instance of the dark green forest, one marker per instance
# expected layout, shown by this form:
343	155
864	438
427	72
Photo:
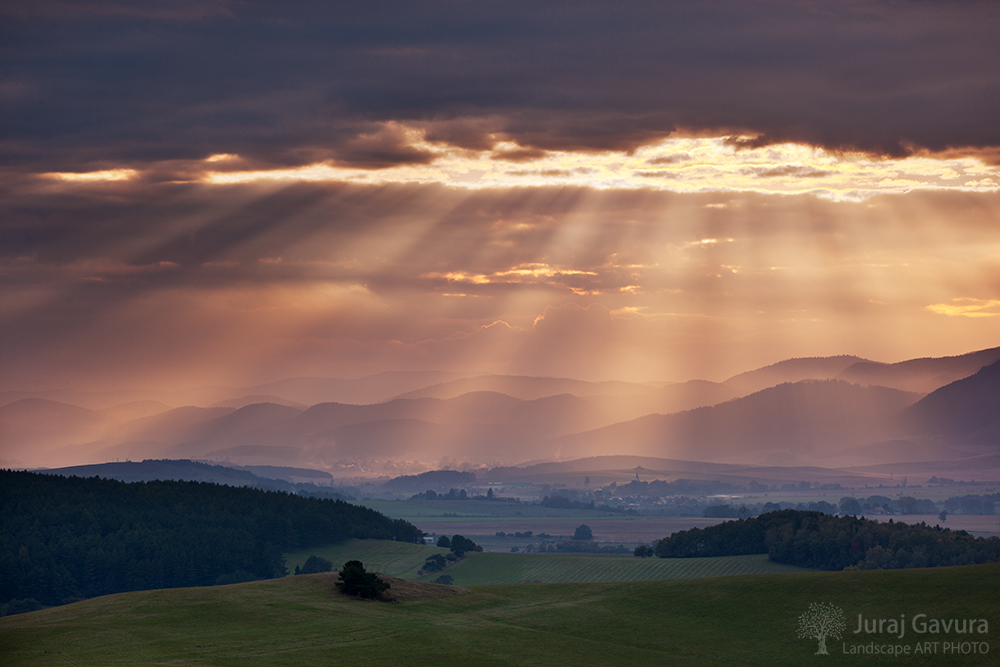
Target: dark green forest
817	540
68	538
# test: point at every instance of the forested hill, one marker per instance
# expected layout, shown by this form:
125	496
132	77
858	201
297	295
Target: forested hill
814	539
65	538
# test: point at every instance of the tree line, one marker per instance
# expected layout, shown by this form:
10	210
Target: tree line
817	540
68	538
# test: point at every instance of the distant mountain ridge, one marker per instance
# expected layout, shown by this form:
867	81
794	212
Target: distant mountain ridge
528	388
300	391
789	422
506	419
792	370
967	410
920	375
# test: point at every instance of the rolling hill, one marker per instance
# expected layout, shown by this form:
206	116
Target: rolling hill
790	423
791	370
528	388
920	375
744	620
965	411
804	408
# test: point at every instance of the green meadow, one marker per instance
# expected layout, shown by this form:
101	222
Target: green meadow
404	560
744	620
446	511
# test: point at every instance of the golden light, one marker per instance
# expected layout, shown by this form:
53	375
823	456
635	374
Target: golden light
967	308
684	165
94	176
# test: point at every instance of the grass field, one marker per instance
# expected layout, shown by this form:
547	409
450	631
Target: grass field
481	519
399	559
463	510
302	621
485	569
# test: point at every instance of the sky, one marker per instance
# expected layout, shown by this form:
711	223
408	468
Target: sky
214	192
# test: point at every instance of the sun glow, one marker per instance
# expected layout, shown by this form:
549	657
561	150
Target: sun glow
967	308
95	176
678	165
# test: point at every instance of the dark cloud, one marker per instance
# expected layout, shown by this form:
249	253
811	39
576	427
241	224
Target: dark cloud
670	159
86	83
521	155
174	10
789	170
386	147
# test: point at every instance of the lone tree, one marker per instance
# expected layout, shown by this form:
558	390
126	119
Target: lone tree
355	581
444	542
460	545
821	621
583	532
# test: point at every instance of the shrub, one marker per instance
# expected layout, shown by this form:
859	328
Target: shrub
356	582
434	563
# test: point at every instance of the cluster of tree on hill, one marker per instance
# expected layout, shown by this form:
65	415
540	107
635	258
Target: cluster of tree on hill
357	582
431	494
459	494
816	540
876	504
458	546
67	538
266	478
314	565
559	501
426	480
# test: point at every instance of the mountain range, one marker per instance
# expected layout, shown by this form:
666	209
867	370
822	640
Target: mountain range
834	410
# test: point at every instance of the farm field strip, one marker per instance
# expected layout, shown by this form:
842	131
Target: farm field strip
403	560
397	559
615	530
486	569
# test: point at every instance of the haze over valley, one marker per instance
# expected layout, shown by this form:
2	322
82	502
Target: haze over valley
835	412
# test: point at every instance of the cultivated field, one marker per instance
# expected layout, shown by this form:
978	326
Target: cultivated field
483	569
476	569
483	519
302	621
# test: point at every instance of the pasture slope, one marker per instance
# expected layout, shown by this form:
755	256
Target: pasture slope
400	559
727	621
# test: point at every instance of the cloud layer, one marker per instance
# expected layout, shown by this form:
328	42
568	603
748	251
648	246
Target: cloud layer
110	83
234	192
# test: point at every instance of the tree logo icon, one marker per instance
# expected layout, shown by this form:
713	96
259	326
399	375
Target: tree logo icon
821	621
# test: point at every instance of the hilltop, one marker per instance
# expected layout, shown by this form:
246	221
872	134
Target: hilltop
746	620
